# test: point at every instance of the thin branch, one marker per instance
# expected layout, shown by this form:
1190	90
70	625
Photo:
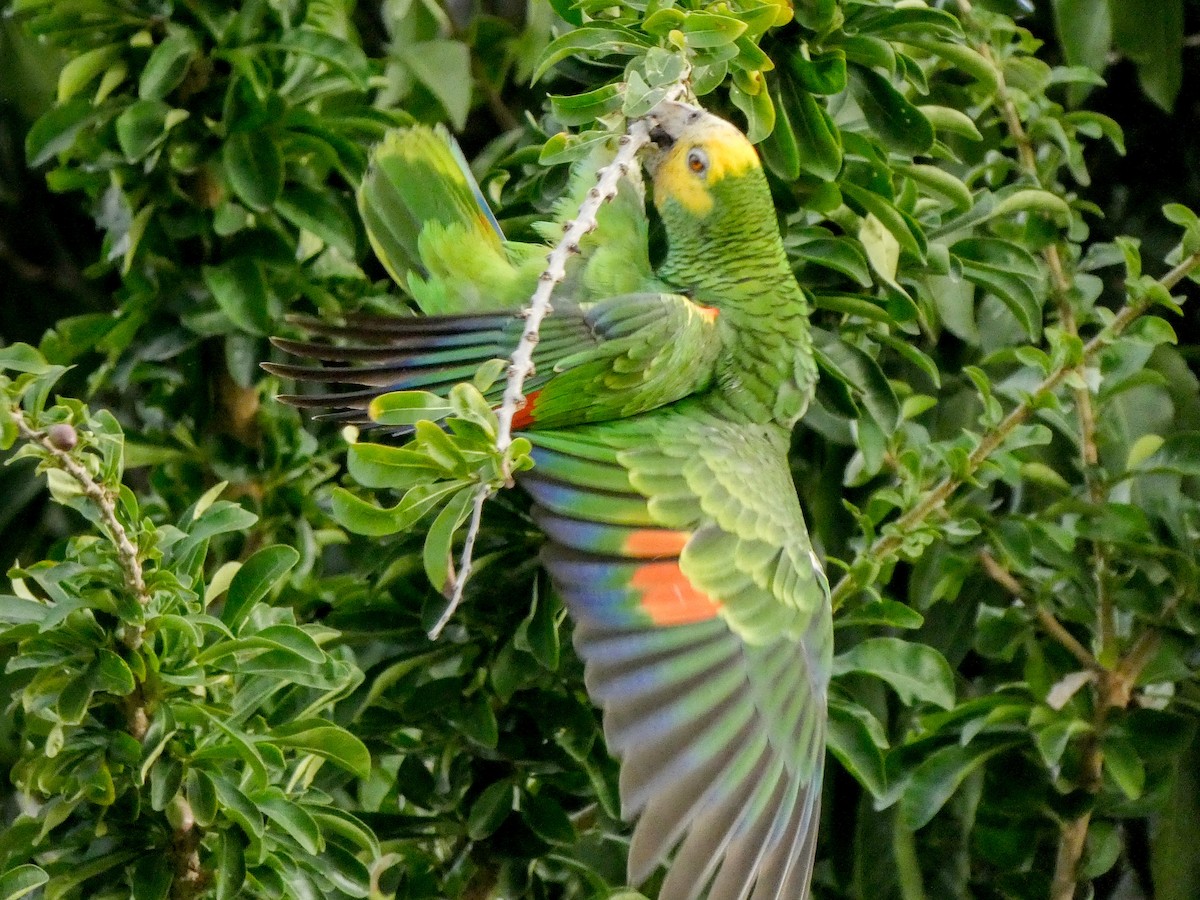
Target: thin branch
1084	409
521	364
1070	851
1046	619
465	560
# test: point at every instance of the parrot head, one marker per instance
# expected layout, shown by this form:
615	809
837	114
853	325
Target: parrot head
712	195
694	153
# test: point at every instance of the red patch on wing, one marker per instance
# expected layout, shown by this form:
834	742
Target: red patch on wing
668	598
651	542
708	313
526	415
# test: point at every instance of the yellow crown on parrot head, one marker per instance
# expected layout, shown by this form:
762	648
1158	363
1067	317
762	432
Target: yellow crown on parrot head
705	150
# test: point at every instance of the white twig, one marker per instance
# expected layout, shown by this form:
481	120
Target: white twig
465	561
521	364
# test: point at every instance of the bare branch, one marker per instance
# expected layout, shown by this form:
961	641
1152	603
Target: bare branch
459	583
521	366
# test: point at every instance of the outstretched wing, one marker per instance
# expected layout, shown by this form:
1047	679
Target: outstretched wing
430	226
614	359
702	617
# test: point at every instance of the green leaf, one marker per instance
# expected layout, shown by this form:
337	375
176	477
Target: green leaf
908	236
585	108
338	822
444	67
440	537
861	373
547	820
201	796
780	150
1033	200
1009	272
757	107
341	55
824	73
490	809
345	871
592	39
291	817
816	14
326	740
818	138
940	183
849	739
318	212
254	168
1151	34
916	672
939	776
538	632
1123	765
151	877
1084	30
240	289
841	254
111	674
405	408
384	466
945	119
231	865
254	580
899	123
167	65
887	613
1178	454
55	131
144	126
20	611
63	885
22	880
475	718
703	30
239	809
81	69
357	515
965	58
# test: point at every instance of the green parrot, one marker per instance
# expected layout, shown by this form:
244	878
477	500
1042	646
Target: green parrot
660	416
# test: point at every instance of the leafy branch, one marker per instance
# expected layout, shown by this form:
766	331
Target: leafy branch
886	546
57	442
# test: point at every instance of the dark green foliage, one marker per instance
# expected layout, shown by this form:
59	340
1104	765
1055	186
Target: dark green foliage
219	689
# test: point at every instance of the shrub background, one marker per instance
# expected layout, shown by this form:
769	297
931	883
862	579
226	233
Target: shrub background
1001	467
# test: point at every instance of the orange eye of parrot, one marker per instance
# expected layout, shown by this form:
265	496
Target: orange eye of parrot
697	161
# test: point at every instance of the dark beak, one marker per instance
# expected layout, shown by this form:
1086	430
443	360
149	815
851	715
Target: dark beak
661	137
